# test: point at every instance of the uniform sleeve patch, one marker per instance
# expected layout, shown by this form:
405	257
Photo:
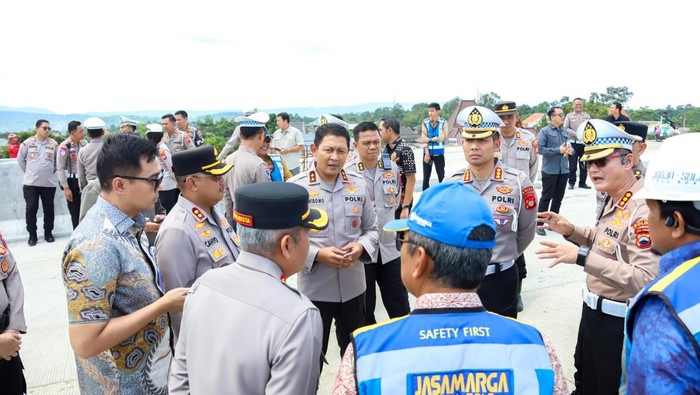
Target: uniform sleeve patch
537	148
641	231
530	198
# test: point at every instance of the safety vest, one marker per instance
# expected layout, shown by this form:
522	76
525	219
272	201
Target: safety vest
452	351
435	148
277	173
677	290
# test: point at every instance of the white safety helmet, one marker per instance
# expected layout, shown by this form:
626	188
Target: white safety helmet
674	172
94	123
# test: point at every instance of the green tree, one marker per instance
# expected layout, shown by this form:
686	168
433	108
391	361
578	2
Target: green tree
620	94
488	100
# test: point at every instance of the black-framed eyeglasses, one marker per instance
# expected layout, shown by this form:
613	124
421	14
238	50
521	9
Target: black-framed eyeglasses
46	128
601	162
155	180
400	240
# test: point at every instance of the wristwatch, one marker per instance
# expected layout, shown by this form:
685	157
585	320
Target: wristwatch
405	206
582	255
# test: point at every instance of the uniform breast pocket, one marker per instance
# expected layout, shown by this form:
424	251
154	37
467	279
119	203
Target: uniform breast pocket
522	155
353	218
390	195
49	153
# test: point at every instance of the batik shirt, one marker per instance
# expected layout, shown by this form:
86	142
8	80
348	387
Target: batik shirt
109	272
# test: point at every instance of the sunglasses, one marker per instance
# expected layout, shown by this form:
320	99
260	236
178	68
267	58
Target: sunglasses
602	162
398	238
155	180
46	128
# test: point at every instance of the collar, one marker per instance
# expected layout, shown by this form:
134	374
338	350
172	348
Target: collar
446	300
261	264
121	222
627	196
677	257
194	210
496	174
247	149
395	143
341	181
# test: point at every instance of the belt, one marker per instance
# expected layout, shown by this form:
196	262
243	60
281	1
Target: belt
493	268
72	175
576	141
605	306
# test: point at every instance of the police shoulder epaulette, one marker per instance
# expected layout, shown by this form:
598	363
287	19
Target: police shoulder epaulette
498	173
624	199
312	177
198	214
360	166
512	170
517	134
467	175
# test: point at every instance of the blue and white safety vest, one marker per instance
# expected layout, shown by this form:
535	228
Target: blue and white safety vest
452	351
277	173
678	291
438	147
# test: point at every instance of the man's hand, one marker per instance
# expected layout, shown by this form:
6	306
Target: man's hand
555	223
404	213
68	194
10	343
352	253
424	139
174	300
563	149
333	257
426	158
561	253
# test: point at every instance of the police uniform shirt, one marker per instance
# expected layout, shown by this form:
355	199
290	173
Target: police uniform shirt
67	160
351	218
189	243
248	168
620	262
520	153
165	160
11	290
179	141
384	187
572	122
37	159
511	197
287	139
87	161
246	332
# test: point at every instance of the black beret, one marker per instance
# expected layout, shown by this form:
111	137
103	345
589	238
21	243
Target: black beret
276	205
199	160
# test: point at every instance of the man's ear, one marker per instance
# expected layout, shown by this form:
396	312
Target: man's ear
313	148
422	264
118	185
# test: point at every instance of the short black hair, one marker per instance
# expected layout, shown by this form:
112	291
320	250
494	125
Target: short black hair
551	111
181	113
617	105
434	105
284	116
393	123
95	132
248	132
331	129
154	137
170	117
363	127
73	126
577	98
690	214
39	122
121	154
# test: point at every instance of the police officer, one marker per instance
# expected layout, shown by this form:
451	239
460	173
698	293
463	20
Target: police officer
12	323
384	185
334	276
449	341
195	236
248	168
511	197
639	146
182	124
616	255
519	151
234	141
87	157
37	159
275	163
67	168
176	140
244	331
168	192
662	349
127	125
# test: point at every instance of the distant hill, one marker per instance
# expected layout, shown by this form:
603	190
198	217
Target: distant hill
21	119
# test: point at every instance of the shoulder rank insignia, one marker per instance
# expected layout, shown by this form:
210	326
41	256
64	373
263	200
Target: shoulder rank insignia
312	177
198	213
467	176
498	173
380	164
3	251
344	175
360	166
624	199
517	135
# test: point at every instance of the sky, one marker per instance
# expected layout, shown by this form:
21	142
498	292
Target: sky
101	56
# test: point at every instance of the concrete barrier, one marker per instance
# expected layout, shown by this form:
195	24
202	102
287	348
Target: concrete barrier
12	222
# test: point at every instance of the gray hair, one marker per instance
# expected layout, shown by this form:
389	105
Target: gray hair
264	241
456	267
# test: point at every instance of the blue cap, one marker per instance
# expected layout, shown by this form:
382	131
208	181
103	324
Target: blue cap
448	213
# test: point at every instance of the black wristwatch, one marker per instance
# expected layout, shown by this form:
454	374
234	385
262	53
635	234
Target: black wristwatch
582	255
403	206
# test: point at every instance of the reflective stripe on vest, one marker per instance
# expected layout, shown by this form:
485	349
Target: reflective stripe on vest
439	352
677	290
277	173
436	148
